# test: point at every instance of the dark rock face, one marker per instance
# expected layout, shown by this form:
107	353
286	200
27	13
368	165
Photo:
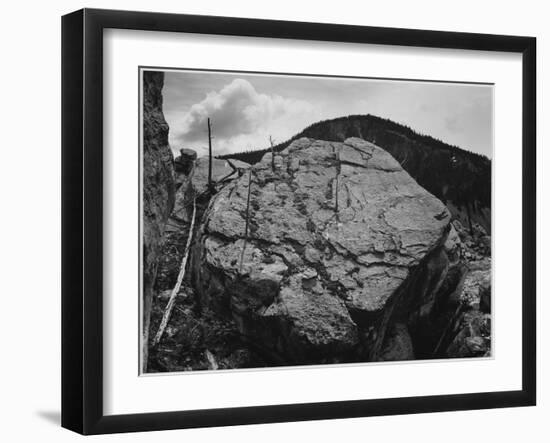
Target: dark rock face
472	329
158	186
184	162
459	324
397	344
345	254
474	336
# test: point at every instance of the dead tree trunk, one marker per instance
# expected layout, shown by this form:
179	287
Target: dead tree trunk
172	300
209	155
246	221
272	154
338	169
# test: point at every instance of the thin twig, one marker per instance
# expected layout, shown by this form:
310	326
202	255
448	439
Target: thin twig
206	191
172	300
246	221
338	169
209	154
272	154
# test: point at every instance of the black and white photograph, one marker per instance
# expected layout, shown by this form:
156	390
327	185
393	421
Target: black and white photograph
303	220
243	222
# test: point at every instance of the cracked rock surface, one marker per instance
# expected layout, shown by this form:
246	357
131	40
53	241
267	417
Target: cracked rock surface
335	232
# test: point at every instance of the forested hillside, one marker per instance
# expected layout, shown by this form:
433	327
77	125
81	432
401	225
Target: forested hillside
460	178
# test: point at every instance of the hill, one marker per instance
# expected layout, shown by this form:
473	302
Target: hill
459	178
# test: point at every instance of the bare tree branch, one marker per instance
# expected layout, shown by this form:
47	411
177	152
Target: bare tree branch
209	154
172	300
338	166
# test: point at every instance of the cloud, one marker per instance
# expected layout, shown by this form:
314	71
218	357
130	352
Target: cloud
241	118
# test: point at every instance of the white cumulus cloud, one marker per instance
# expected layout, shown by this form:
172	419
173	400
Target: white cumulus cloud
242	118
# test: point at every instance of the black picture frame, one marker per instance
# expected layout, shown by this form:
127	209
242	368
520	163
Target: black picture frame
82	218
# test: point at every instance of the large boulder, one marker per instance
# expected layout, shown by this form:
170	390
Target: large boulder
332	248
158	188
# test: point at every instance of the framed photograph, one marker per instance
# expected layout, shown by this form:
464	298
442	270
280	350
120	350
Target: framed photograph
270	221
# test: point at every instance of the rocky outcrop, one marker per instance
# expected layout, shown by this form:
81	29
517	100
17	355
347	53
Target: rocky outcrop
335	254
459	322
185	161
193	179
158	187
473	336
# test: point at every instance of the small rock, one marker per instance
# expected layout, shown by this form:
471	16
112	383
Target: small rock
184	162
474	336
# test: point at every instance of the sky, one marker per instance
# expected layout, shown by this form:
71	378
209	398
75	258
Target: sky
247	109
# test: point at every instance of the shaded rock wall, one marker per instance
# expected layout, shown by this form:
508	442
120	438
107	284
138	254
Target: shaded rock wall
158	188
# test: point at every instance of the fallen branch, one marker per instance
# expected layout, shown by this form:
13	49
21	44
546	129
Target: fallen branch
172	300
213	364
